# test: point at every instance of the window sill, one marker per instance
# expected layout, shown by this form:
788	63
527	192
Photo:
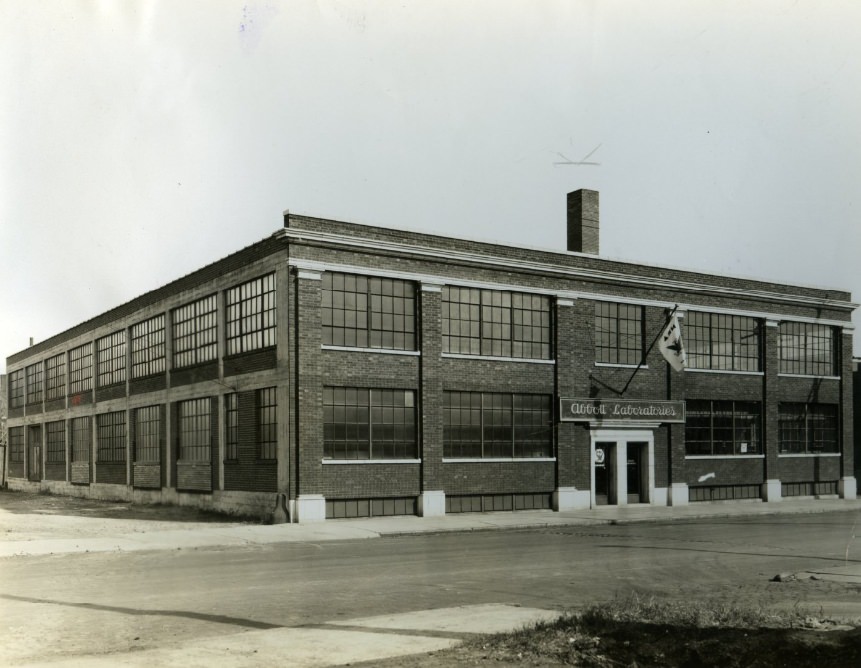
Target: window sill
620	366
372	461
804	375
728	371
385	351
485	460
790	455
724	456
493	358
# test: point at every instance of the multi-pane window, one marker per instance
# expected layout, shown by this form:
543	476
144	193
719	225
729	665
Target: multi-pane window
55	433
195	331
16	389
147	434
495	323
55	377
16	444
723	428
35	385
231	425
360	423
618	333
111	359
195	428
82	439
81	368
111	437
368	312
148	347
251	315
724	342
496	424
267	435
808	428
807	349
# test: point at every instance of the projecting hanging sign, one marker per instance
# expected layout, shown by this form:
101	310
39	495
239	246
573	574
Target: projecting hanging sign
624	410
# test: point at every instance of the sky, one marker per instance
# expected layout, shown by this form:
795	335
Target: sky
142	140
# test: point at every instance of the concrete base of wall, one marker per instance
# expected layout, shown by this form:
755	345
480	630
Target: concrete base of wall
571	498
679	495
310	508
660	497
772	491
847	488
431	504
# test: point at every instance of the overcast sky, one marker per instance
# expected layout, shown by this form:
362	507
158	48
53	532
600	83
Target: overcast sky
142	140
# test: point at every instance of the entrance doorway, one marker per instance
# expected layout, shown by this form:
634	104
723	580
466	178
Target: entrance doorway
605	482
34	453
623	467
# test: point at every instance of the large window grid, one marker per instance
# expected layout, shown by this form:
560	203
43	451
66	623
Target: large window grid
251	315
81	368
495	323
368	312
16	444
148	434
231	426
267	437
148	347
82	439
35	380
497	425
55	377
195	429
722	342
16	389
362	423
111	437
195	331
55	434
618	333
807	349
723	428
111	359
808	428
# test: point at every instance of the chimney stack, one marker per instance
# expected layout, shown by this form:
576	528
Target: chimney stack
583	221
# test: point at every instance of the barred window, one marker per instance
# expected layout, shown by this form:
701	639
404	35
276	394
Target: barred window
495	323
56	445
16	389
231	425
368	312
111	359
723	427
148	347
497	425
195	330
82	439
618	333
81	368
807	349
362	423
195	428
251	315
16	444
55	377
808	428
111	437
35	383
147	434
267	423
723	342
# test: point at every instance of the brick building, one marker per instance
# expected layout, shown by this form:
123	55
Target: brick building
338	370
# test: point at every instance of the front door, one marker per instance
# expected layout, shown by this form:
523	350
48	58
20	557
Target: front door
605	478
34	459
634	472
622	466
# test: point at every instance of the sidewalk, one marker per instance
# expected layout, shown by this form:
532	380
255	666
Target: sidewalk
26	534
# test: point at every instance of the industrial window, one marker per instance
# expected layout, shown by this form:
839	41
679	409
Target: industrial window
195	427
16	444
55	377
361	423
147	434
723	428
807	349
722	342
111	437
495	424
251	315
267	423
495	323
148	347
368	312
16	389
111	359
231	426
81	368
808	428
35	383
82	439
55	433
195	330
618	333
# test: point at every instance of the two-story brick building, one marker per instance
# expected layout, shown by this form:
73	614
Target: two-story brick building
340	370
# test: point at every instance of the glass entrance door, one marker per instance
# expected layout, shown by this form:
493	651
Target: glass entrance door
605	480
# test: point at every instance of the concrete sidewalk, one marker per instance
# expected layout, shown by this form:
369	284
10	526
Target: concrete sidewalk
23	534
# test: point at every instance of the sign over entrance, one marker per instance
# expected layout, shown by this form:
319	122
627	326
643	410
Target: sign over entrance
620	410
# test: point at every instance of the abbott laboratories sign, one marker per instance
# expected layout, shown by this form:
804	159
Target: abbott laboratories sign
630	410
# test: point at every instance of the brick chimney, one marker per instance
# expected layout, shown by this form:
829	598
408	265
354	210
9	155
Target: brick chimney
583	221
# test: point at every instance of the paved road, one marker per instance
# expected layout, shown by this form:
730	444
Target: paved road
89	604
